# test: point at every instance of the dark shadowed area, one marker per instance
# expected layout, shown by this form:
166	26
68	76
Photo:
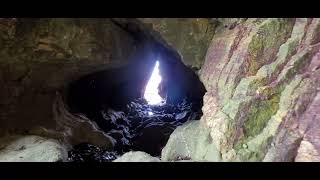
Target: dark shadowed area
113	98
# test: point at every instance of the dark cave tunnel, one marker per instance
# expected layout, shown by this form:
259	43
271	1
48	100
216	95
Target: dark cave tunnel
113	98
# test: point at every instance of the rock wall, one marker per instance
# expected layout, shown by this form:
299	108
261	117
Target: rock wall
190	37
262	81
39	57
261	75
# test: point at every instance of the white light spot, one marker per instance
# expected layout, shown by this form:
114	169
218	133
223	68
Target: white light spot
150	113
151	93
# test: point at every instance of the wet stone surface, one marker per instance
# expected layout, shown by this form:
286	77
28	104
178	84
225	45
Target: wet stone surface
140	127
90	153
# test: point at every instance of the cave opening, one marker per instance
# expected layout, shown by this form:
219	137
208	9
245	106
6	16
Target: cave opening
139	104
151	92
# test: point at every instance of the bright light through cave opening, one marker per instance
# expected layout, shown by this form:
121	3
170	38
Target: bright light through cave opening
151	93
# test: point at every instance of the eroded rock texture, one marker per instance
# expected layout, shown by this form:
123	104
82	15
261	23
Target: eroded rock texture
262	78
189	36
261	75
39	57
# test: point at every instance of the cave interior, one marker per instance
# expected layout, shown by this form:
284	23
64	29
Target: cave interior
113	99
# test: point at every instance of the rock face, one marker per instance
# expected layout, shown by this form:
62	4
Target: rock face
189	36
39	57
261	75
191	141
136	156
31	149
262	81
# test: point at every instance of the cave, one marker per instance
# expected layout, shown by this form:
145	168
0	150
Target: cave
126	104
159	89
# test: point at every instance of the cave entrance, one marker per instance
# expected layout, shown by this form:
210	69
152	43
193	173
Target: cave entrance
152	91
138	104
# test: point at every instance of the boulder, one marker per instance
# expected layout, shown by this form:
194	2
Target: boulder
136	156
191	141
31	149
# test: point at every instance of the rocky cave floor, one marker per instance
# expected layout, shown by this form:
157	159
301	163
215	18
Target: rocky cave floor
139	127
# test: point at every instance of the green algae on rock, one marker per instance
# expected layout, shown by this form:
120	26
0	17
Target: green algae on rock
252	101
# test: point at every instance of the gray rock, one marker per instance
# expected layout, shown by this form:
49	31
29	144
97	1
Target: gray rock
31	149
190	141
189	36
136	156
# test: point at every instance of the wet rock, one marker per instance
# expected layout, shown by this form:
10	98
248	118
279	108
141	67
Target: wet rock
181	115
135	126
153	138
31	149
135	129
74	129
136	156
89	153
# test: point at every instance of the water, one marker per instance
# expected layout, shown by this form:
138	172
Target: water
140	127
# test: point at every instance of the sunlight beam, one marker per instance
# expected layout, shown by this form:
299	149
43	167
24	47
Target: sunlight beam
151	93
